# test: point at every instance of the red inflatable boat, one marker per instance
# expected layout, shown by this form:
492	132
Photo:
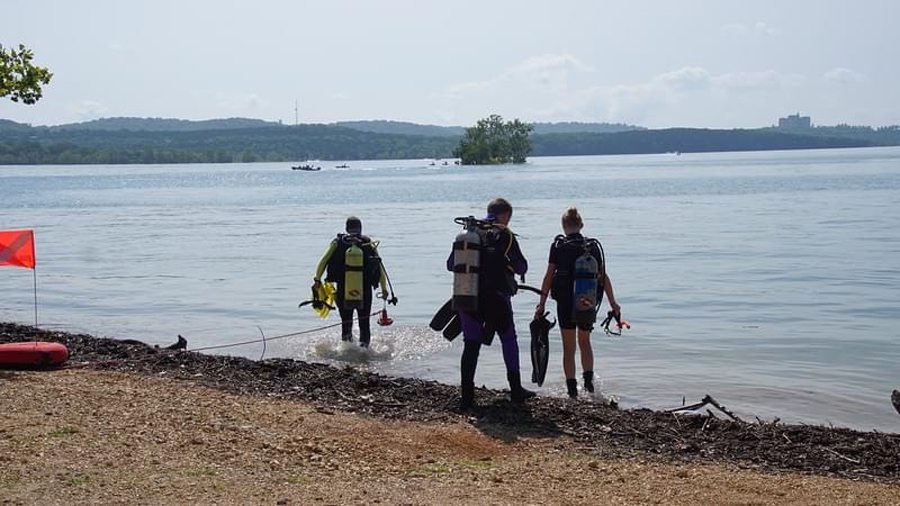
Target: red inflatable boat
33	354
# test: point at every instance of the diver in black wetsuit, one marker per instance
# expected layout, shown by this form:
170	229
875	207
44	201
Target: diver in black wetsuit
559	282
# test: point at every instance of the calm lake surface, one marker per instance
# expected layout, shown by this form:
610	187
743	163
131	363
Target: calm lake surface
768	280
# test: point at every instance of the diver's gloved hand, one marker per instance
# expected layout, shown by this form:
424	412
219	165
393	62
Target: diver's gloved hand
316	283
383	295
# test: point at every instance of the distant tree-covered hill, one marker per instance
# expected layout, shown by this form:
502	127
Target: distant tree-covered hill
882	136
685	140
166	124
403	128
153	140
281	143
11	126
574	127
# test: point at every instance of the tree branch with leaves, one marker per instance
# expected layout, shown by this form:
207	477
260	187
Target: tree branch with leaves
21	80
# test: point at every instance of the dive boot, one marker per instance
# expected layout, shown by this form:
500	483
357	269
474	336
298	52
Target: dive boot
589	381
347	331
572	387
467	365
467	399
516	392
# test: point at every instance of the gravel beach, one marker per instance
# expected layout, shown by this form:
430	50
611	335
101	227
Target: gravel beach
129	423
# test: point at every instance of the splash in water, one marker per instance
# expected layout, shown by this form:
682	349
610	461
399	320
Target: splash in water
397	344
351	352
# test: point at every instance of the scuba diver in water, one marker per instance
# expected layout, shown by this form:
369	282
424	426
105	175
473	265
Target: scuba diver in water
485	259
353	263
576	279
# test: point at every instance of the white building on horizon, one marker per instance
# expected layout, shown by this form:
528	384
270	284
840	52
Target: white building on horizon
795	122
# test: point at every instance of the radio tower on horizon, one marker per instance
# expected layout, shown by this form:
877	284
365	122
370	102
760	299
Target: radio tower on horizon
296	112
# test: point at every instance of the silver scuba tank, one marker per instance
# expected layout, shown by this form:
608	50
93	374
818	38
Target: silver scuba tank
466	266
584	293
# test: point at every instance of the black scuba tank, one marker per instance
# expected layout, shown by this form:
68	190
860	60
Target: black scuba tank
466	267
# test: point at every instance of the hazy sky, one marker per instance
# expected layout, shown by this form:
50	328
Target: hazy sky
657	63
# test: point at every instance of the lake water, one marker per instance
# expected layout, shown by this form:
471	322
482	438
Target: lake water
768	280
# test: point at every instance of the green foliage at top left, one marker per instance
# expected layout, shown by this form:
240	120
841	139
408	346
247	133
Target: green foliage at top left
19	78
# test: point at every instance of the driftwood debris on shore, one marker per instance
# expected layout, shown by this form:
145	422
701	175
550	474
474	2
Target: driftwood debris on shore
597	427
710	401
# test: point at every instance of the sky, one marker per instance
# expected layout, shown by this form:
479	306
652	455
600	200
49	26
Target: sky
654	63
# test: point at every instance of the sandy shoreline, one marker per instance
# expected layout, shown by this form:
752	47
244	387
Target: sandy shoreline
180	427
82	436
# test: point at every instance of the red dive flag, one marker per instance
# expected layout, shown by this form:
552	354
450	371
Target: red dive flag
17	248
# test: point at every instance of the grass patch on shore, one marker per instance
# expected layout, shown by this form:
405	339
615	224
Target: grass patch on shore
77	480
63	432
297	480
200	472
476	465
435	468
7	482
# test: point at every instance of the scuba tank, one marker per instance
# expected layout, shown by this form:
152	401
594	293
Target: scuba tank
353	276
466	265
584	292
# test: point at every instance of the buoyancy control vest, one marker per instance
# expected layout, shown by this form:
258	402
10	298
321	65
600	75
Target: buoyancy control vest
579	275
355	266
497	271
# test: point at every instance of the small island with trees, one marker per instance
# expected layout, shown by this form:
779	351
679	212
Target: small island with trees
492	142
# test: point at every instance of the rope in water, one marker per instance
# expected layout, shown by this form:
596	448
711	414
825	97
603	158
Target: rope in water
266	339
263	340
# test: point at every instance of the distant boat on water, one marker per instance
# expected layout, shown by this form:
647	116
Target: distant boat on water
307	167
342	166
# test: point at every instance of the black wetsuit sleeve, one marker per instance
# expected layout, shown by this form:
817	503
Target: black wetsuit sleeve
516	259
554	254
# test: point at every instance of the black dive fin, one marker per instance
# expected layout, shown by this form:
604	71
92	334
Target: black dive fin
540	348
180	345
453	328
443	316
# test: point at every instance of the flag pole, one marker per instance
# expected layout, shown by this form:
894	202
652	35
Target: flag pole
34	272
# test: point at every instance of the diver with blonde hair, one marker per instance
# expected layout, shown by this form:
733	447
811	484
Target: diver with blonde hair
576	279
